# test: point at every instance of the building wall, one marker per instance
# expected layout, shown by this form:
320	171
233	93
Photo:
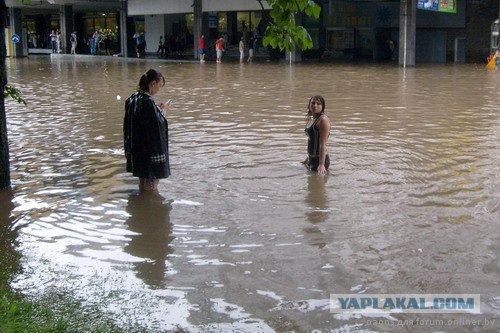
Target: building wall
480	15
154	28
171	21
151	7
431	46
474	25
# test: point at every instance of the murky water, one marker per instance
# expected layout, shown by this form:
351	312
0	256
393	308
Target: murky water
243	238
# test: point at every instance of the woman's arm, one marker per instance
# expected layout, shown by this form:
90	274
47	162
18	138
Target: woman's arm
324	132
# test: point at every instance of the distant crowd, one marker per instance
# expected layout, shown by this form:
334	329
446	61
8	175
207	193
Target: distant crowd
100	42
169	46
104	42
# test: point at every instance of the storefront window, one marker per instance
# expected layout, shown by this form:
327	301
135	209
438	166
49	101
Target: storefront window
248	22
336	40
314	33
54	22
495	39
244	22
255	19
29	25
99	21
139	24
364	43
190	23
222	25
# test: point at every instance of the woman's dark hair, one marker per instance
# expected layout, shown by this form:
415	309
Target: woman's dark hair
151	75
316	98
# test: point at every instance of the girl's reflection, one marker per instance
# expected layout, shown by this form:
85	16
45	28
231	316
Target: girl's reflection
150	220
317	199
317	209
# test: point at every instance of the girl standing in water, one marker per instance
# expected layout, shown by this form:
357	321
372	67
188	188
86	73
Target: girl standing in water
317	131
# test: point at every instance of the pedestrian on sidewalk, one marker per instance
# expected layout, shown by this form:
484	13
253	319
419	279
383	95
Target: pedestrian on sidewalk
251	47
161	47
53	41
201	48
219	48
73	40
241	47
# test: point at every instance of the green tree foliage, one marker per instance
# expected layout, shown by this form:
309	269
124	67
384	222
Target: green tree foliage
283	33
13	93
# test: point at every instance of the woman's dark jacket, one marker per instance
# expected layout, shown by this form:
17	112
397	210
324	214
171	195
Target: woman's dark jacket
145	134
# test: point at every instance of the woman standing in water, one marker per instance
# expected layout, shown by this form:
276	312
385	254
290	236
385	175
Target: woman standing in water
145	132
318	131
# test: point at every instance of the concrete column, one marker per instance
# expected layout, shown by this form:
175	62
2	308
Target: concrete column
123	30
198	24
16	26
407	32
66	19
295	56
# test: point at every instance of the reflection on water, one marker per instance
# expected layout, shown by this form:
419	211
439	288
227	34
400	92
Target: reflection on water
150	221
243	238
317	197
8	234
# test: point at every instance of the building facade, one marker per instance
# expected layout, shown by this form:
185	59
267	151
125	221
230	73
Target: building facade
400	31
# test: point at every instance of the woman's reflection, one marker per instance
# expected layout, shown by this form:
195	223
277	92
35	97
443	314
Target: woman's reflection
316	199
150	219
317	208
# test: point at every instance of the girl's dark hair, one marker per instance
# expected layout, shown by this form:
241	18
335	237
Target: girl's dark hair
151	75
315	98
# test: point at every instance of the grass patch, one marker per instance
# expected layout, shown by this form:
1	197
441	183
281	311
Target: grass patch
52	313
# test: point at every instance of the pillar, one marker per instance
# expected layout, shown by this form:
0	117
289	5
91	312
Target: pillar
295	56
123	28
407	32
66	19
198	24
16	26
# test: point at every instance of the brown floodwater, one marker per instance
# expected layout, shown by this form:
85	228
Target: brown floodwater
241	237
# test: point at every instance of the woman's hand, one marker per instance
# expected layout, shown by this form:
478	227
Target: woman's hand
165	105
321	170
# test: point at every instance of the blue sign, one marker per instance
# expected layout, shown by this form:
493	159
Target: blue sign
213	20
15	38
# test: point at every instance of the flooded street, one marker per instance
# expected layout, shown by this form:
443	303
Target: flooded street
242	238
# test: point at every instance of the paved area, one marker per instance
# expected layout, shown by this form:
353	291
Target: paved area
231	54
